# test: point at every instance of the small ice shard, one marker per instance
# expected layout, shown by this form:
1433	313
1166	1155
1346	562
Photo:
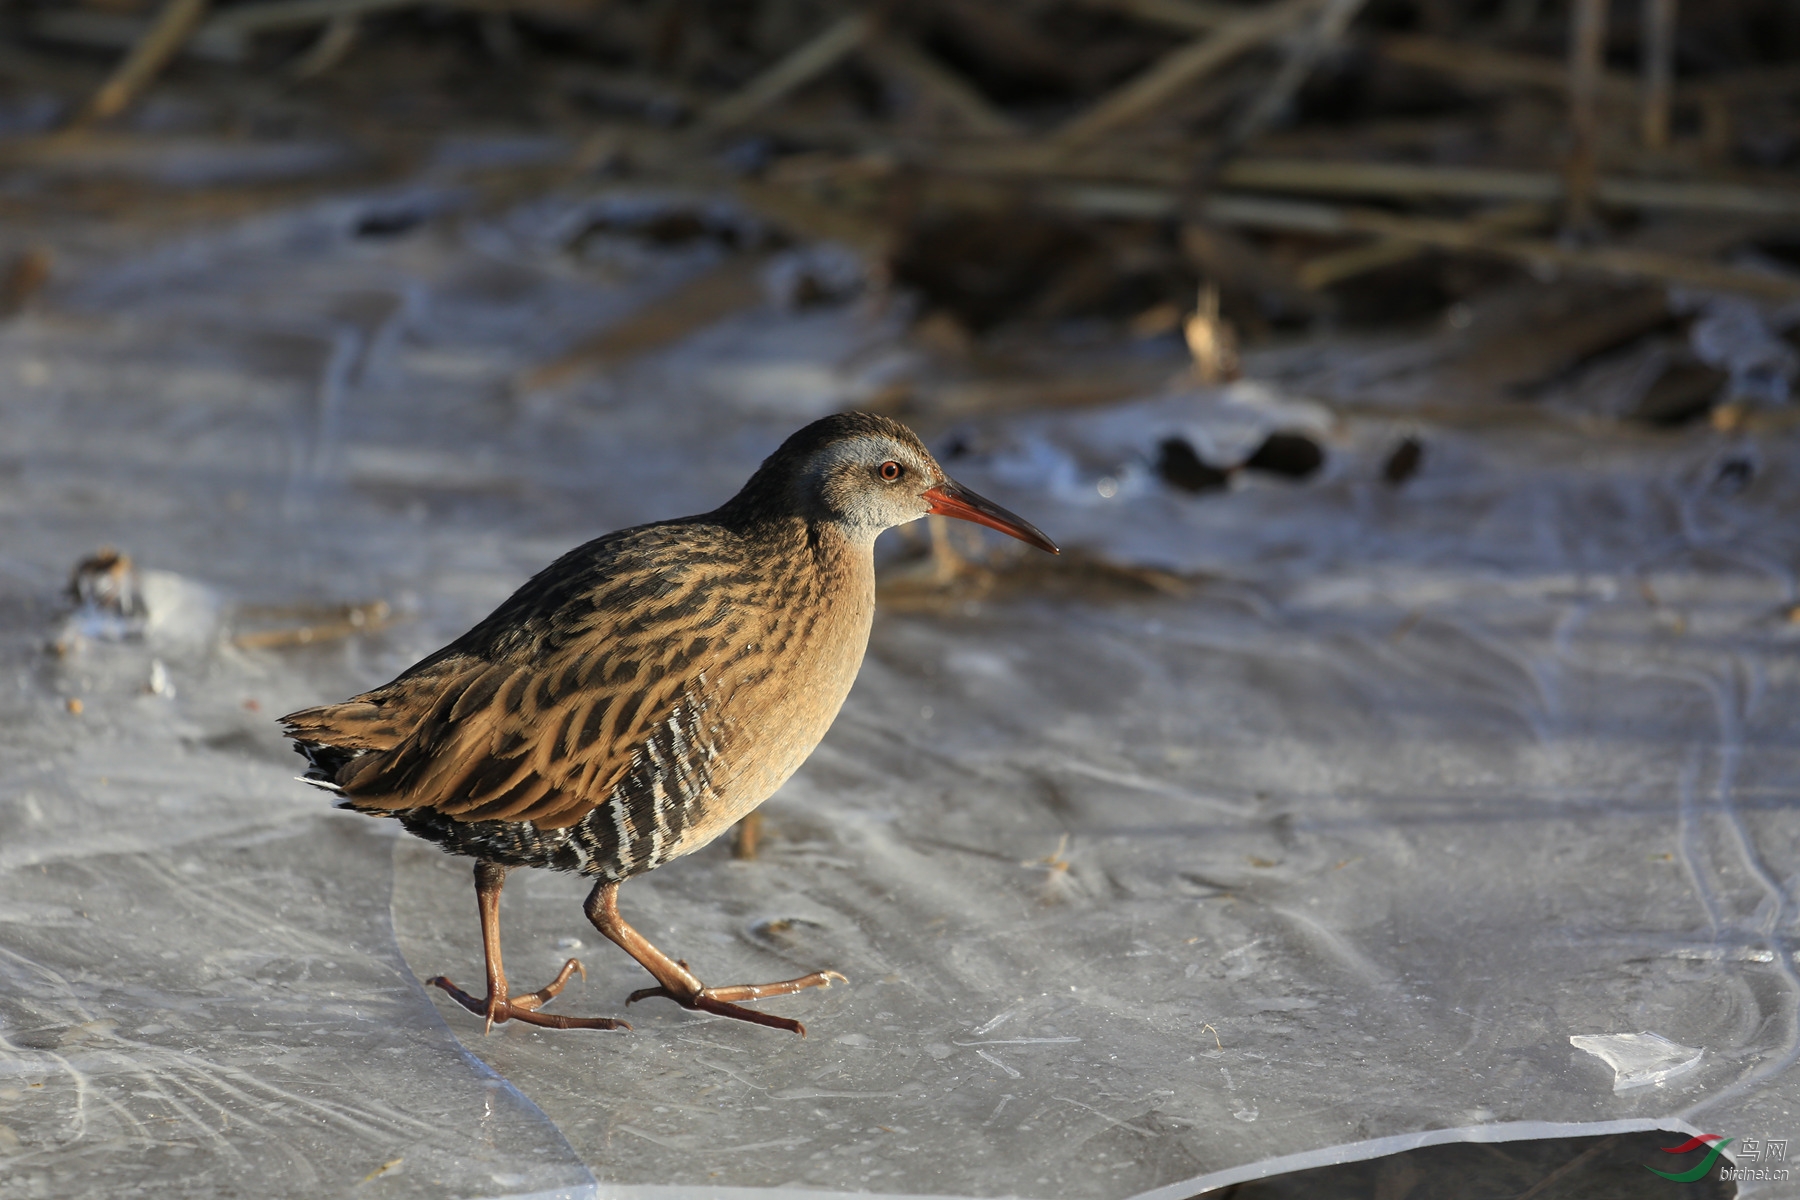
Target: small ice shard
1638	1059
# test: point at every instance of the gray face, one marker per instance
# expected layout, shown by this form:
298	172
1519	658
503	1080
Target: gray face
869	483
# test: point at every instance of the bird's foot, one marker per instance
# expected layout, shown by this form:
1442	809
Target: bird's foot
722	1000
524	1008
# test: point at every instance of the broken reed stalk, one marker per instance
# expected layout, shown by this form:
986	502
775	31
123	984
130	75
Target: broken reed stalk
1574	1164
1180	69
297	14
1327	30
1339	265
1195	16
1587	41
1485	183
1501	68
1151	181
799	68
1476	64
898	56
329	49
267	16
142	63
730	287
1470	236
348	621
1659	71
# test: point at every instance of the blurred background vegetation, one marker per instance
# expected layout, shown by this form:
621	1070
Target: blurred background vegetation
1547	198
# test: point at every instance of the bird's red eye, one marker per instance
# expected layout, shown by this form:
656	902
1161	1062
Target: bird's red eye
890	471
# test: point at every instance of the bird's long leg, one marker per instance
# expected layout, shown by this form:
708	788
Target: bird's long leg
746	835
498	1006
680	984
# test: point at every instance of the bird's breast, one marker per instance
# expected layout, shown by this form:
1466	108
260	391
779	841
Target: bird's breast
755	712
778	698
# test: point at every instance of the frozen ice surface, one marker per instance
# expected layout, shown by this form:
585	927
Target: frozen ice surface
1639	1059
1324	858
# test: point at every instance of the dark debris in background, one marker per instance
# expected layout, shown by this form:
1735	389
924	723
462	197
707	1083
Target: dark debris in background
1181	466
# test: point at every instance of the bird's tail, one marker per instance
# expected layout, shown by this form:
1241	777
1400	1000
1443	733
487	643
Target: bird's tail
323	764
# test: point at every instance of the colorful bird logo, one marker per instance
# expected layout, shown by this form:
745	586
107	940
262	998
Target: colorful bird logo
1717	1142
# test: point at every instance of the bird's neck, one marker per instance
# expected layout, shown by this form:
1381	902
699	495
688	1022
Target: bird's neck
785	531
783	501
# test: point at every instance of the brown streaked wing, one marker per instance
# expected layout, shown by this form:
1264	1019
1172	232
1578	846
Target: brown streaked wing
544	734
376	720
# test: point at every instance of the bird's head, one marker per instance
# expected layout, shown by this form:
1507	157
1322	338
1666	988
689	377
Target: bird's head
865	473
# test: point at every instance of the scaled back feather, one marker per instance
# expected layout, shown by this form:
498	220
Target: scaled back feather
535	714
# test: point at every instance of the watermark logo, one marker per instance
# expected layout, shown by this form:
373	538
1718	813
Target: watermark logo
1762	1151
1715	1143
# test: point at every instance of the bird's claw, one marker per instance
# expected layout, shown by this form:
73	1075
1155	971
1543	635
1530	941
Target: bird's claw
496	1009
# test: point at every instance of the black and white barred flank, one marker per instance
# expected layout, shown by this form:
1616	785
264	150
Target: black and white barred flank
638	829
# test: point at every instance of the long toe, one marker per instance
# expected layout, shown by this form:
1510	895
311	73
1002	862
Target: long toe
478	1007
557	1021
760	991
525	1008
737	1012
724	1000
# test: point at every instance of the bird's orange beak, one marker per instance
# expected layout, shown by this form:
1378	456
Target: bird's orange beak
952	499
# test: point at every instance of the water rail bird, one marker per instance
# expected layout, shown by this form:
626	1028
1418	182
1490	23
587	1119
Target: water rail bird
642	693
